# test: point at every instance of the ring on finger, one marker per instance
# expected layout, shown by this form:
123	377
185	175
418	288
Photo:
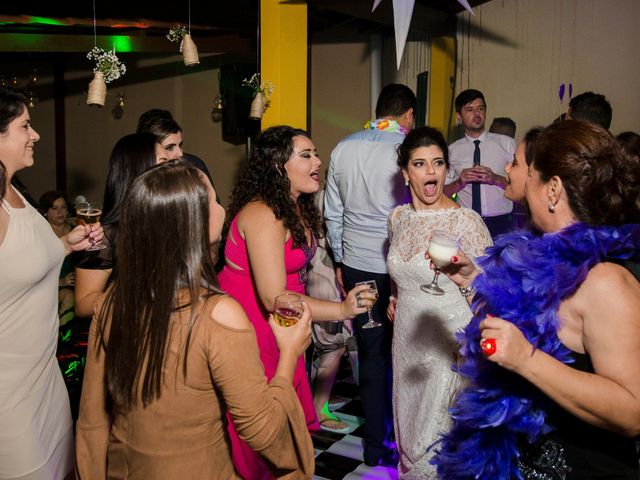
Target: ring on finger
488	346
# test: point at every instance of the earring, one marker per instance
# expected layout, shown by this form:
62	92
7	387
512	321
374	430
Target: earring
279	171
406	182
551	207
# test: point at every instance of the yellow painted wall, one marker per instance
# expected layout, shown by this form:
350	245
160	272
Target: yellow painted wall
283	61
442	70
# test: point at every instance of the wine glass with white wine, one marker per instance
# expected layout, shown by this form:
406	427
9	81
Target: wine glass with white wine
373	288
88	213
288	309
442	247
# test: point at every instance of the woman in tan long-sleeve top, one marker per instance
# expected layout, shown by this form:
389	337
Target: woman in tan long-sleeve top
169	354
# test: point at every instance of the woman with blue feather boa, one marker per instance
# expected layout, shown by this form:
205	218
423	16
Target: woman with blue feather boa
552	352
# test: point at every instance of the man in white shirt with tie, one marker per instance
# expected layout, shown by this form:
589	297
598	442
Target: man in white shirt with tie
478	160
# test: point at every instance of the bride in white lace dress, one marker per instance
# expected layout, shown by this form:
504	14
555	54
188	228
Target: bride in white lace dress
424	344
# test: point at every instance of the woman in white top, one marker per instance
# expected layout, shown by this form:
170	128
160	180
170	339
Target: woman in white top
36	436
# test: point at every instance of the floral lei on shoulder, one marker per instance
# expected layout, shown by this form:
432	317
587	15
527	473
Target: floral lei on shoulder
386	125
530	275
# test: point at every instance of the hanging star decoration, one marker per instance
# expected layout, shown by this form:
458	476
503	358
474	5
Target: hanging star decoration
402	13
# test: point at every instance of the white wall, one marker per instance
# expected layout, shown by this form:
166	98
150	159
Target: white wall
518	52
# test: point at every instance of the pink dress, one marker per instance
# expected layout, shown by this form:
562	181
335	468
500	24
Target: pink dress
239	284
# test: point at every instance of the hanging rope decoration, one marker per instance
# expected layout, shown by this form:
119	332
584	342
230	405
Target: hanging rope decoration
108	68
182	34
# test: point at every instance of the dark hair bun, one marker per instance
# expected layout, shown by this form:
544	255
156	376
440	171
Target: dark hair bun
421	137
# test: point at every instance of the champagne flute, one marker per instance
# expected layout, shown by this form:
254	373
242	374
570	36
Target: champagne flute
88	213
373	288
442	247
287	309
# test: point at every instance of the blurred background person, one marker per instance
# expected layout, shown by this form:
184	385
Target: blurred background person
161	124
202	360
567	356
36	432
131	155
630	142
270	241
331	340
424	342
590	107
503	126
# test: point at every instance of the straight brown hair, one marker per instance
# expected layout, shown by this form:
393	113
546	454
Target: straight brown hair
163	249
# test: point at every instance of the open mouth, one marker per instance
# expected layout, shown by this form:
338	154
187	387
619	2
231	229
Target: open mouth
431	188
315	175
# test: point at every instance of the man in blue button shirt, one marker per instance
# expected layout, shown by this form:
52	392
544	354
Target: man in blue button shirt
364	185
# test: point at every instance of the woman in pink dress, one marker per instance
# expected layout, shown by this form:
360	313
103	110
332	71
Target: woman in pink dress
270	241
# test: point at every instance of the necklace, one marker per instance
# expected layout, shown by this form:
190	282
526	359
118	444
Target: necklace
386	125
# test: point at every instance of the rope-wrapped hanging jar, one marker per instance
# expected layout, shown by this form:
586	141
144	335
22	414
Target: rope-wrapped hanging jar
97	90
189	51
257	107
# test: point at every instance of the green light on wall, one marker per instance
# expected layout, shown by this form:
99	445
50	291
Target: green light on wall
38	21
46	21
121	43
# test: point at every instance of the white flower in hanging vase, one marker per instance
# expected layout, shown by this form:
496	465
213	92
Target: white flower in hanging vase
188	48
108	68
261	95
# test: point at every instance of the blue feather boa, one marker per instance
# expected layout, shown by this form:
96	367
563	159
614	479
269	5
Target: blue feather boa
527	277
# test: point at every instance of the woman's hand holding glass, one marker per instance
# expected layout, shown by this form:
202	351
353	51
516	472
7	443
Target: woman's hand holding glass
460	271
359	299
296	338
443	246
89	213
84	237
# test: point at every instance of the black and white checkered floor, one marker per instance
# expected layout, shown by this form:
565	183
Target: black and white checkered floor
339	456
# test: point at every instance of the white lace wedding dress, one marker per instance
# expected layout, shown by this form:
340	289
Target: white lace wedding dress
424	344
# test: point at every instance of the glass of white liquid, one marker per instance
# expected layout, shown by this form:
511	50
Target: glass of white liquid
442	247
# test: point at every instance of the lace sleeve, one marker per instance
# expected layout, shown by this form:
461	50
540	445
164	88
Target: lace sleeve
390	219
475	236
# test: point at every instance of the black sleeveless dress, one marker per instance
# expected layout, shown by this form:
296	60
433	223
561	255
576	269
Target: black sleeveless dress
575	450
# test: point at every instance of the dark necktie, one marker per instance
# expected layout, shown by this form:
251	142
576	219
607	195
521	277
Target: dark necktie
475	187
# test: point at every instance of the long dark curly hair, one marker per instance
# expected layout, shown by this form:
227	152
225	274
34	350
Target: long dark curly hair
264	178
